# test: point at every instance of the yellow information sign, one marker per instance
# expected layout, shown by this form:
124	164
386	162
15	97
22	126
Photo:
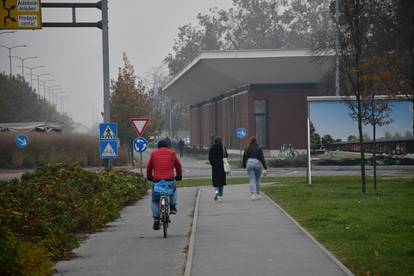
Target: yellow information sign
20	14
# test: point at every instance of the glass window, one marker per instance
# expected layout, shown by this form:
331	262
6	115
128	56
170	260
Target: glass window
260	107
260	110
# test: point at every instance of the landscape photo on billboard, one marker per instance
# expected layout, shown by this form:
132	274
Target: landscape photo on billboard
334	133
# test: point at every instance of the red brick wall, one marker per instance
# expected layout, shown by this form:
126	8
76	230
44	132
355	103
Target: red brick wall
287	113
287	110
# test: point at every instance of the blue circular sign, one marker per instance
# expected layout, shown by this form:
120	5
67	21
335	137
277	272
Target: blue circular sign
140	144
241	132
22	141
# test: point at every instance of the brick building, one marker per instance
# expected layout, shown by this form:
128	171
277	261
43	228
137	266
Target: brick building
263	91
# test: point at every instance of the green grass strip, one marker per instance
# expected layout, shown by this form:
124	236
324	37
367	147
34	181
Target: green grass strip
372	234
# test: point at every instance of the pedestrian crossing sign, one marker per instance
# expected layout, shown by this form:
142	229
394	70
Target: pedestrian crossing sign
108	149
108	131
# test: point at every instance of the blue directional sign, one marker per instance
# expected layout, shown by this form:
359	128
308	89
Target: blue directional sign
22	141
108	149
241	132
108	131
140	144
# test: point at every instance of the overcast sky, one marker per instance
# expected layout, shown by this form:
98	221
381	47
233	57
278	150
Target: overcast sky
145	30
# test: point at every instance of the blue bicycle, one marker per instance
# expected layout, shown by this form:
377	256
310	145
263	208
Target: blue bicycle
165	190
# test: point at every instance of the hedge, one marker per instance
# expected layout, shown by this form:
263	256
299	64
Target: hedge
44	215
48	147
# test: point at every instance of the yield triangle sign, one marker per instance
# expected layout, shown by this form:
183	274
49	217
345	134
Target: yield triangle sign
139	124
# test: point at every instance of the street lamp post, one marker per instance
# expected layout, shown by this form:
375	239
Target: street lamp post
52	92
10	55
22	60
31	72
62	102
38	81
44	87
56	94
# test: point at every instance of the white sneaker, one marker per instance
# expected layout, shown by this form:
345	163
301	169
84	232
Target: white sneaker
253	197
220	199
216	196
258	196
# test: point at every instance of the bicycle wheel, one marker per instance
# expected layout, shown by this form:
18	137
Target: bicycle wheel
165	226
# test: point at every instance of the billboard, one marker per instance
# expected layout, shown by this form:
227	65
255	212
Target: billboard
333	133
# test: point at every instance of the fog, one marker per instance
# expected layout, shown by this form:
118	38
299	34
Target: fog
145	30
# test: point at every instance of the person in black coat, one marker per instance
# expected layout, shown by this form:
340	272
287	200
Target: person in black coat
216	154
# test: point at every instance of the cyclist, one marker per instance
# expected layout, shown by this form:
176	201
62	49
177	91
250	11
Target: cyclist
161	166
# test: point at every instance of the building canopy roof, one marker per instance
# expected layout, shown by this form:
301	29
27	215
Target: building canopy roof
216	72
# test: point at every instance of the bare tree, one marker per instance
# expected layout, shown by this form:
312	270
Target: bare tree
379	115
363	31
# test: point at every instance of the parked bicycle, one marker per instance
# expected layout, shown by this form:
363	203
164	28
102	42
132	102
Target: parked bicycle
287	151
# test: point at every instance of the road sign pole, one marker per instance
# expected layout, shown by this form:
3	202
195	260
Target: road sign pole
132	153
309	168
241	157
140	163
105	53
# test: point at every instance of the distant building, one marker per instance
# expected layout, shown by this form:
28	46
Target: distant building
263	91
400	145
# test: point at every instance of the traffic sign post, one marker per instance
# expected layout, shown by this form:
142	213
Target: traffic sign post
22	141
20	14
108	131
241	133
140	145
108	149
139	124
108	142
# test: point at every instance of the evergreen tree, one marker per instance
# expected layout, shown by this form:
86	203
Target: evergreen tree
19	103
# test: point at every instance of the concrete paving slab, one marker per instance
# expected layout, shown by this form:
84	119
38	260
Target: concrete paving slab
243	237
130	247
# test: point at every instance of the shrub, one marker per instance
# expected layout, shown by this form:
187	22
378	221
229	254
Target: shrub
43	214
299	161
47	148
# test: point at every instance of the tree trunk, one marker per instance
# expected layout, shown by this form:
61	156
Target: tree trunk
374	152
361	144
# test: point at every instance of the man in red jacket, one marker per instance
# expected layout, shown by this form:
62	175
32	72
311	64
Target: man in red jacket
161	166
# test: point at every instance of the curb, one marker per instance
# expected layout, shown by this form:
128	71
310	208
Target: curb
189	262
318	244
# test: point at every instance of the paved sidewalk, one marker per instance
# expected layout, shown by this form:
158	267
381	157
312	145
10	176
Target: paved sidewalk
243	237
130	246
